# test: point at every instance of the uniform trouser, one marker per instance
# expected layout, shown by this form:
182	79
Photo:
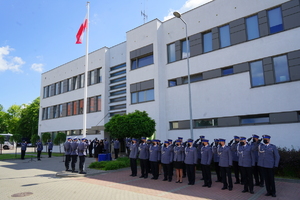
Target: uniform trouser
226	174
167	168
133	166
184	169
22	154
154	169
190	170
67	161
74	161
236	170
144	167
90	152
81	163
172	168
258	176
201	167
206	174
247	177
128	151
217	168
39	155
149	166
116	153
49	152
269	180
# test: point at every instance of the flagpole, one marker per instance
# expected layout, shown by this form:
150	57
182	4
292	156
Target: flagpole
86	72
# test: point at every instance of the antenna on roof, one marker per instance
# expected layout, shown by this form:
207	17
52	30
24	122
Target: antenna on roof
143	13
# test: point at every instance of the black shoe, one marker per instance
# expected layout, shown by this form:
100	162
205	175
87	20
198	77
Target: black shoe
209	186
141	176
145	177
273	195
165	179
152	178
82	172
202	179
237	182
224	188
261	185
204	185
73	171
268	194
170	180
177	182
217	181
244	191
257	184
251	192
131	175
229	189
39	159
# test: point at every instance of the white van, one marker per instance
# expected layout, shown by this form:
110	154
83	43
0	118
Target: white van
7	144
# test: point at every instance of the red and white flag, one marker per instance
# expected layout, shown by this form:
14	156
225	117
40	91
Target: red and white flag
81	30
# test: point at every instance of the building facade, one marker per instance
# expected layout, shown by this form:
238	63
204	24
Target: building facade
245	76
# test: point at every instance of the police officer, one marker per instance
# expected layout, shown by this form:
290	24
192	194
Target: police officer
23	149
116	148
82	146
149	143
74	153
127	144
190	161
133	147
91	146
184	166
39	148
268	159
257	171
50	147
154	158
216	158
233	146
106	145
178	160
246	161
199	146
167	155
225	163
206	157
144	158
67	149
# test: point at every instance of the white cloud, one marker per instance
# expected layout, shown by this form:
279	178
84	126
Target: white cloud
37	67
188	5
9	63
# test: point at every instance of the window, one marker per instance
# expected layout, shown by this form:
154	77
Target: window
57	88
142	96
118	92
174	125
92	77
118	73
118	67
69	84
257	73
118	99
98	103
48	112
258	119
118	80
69	109
117	107
207	42
171	53
172	83
45	92
60	110
281	69
49	91
117	86
81	85
206	123
92	104
194	78
141	62
252	27
227	71
224	36
275	20
61	87
81	106
184	49
74	107
75	83
54	111
44	114
99	78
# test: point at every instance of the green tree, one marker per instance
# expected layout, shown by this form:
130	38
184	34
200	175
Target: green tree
135	125
45	137
3	125
1	143
12	117
16	138
59	139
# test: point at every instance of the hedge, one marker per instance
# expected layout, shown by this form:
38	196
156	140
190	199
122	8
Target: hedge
111	165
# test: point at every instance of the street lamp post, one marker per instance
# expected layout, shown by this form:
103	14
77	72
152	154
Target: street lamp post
178	15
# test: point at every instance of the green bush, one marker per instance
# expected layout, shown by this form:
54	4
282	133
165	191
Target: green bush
111	165
289	164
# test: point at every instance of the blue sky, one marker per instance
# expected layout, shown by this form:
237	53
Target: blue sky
39	35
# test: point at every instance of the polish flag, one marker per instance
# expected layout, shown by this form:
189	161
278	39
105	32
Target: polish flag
81	30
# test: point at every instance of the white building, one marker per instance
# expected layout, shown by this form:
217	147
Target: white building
245	76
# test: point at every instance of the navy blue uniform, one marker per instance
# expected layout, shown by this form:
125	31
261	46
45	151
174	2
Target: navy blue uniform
50	147
190	161
67	149
23	149
74	154
206	158
167	155
116	148
154	157
225	163
144	159
133	155
39	148
216	162
82	147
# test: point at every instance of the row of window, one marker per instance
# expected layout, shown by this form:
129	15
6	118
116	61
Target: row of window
73	83
252	32
72	108
142	61
142	96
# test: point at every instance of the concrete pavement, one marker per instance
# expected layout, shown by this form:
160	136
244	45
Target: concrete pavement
38	180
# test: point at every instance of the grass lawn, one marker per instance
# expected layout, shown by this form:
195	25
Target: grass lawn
53	154
13	156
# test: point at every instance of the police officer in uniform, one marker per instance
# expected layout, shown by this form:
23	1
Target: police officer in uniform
206	157
225	163
167	155
74	153
106	145
178	160
50	147
144	158
268	159
67	149
190	161
133	147
246	161
23	149
116	148
154	158
257	171
233	146
39	148
184	166
216	158
199	146
82	147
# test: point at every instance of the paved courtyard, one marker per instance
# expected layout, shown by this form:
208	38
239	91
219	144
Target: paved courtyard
39	180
